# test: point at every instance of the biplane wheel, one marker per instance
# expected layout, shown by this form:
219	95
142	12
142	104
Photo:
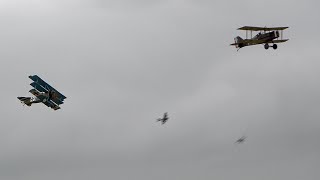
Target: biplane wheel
266	46
44	100
275	46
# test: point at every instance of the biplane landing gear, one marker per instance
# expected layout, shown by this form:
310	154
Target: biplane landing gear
266	46
275	46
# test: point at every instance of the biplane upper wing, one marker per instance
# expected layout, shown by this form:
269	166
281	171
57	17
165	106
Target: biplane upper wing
252	28
42	86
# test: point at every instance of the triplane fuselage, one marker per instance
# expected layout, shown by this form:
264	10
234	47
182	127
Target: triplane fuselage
266	36
43	93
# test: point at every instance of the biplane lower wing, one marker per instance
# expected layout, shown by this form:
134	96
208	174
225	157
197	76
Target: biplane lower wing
249	42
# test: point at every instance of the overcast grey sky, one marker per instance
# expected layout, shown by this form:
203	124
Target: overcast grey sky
123	63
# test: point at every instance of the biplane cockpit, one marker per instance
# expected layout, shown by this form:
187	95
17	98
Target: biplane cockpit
265	36
43	93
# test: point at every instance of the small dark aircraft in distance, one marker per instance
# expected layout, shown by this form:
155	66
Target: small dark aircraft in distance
164	119
266	35
43	93
241	140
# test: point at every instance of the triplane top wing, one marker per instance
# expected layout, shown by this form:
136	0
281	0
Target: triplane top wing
253	28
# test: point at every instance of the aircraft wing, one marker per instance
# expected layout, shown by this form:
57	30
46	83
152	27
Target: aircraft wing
252	28
42	86
51	105
38	87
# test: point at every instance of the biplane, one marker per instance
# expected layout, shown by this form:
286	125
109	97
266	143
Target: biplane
43	93
265	36
241	140
164	119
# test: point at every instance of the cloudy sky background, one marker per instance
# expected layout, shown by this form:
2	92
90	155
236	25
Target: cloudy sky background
123	63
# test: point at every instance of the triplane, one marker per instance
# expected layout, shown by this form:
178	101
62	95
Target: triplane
43	93
266	35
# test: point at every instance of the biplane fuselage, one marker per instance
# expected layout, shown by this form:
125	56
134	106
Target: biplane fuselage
265	36
258	39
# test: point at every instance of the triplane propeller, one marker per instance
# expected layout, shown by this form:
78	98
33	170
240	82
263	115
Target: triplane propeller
43	93
266	36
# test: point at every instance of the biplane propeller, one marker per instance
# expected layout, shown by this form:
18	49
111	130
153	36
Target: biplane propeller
266	36
43	93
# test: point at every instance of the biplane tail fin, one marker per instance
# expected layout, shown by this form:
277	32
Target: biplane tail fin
238	42
238	39
25	100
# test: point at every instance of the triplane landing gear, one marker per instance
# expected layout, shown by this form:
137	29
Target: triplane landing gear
274	46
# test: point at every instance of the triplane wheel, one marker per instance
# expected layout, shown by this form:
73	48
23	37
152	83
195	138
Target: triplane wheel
275	46
266	46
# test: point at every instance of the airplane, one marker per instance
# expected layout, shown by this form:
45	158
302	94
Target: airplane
43	93
241	140
266	35
164	119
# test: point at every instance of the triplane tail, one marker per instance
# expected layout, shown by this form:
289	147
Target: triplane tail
25	100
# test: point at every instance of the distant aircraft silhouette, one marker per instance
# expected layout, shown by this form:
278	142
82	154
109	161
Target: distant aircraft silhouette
241	140
164	119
